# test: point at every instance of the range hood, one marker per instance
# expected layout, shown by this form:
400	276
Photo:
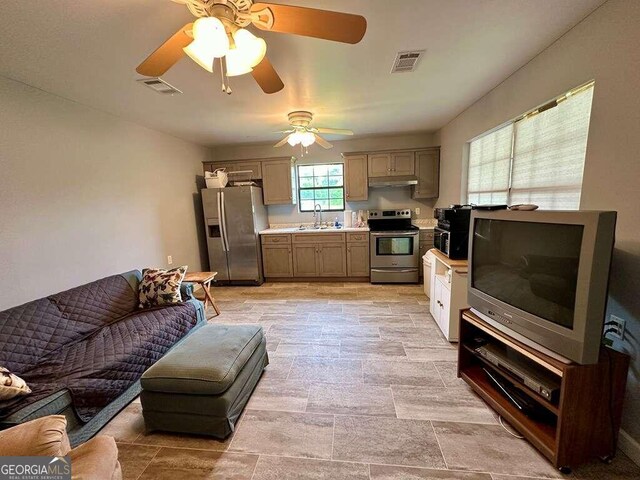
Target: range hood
395	181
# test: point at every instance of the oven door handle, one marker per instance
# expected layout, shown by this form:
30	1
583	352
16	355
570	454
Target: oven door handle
394	234
403	270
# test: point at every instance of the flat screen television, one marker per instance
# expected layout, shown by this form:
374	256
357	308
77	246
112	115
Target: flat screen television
542	277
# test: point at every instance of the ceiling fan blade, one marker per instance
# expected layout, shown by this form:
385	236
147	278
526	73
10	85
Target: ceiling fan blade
267	77
310	22
322	142
334	131
282	142
167	54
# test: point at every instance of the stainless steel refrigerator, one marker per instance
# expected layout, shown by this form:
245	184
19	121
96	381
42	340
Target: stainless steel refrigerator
233	218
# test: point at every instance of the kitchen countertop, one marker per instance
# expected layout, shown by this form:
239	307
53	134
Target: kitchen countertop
425	227
275	231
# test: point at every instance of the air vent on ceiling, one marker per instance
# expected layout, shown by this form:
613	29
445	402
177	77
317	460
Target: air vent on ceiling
159	85
407	61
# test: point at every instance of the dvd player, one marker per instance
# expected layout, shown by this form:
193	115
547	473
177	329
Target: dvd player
535	378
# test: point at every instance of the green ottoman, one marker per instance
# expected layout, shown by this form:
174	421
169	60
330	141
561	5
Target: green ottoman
202	385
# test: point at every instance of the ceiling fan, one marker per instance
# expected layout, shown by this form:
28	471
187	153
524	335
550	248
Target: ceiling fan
301	133
219	33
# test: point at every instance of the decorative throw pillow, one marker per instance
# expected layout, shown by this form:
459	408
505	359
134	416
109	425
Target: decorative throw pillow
11	385
160	287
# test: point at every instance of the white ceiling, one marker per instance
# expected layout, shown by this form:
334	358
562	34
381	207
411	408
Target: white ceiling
87	51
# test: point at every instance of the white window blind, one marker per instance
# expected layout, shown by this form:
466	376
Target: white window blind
538	159
489	164
549	154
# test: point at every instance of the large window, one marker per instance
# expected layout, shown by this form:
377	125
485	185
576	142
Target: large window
538	158
321	184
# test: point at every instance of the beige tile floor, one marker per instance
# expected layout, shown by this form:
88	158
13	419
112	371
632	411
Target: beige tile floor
361	386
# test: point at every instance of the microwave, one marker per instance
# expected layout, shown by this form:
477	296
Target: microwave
453	243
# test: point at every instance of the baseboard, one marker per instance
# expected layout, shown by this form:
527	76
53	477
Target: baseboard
629	446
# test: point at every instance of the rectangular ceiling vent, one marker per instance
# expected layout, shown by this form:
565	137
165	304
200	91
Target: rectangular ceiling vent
407	61
160	86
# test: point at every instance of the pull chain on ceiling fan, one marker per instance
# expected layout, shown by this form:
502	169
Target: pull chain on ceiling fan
219	33
301	133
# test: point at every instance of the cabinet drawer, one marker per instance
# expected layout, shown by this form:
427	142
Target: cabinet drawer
318	237
276	239
358	237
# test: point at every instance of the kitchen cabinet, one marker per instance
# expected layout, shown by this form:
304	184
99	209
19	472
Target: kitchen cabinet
332	259
391	164
254	166
277	261
379	164
357	259
305	260
276	182
426	243
449	293
358	254
402	163
356	179
427	165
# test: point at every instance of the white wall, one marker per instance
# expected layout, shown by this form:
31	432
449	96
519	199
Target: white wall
605	47
84	194
378	198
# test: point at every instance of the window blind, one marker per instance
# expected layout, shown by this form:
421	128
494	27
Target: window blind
489	165
549	152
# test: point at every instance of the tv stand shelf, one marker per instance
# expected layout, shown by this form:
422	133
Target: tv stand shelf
582	423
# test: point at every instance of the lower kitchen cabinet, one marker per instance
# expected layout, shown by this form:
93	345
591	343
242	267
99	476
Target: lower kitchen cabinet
358	259
305	260
448	293
277	261
307	255
332	259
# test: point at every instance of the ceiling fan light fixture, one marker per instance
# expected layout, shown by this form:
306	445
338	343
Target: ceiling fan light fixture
307	139
294	139
210	41
251	48
237	63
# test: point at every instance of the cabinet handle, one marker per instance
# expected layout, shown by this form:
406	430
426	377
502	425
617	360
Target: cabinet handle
348	249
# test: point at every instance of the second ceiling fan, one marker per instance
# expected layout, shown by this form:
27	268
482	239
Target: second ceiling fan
219	33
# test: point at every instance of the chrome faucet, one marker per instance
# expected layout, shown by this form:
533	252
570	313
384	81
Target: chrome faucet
317	215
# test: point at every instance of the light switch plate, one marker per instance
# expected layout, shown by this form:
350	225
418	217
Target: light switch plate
169	259
616	325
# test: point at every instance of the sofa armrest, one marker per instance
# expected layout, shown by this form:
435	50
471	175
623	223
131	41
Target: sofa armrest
46	436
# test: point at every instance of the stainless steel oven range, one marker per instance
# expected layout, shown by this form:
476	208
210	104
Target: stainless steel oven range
394	248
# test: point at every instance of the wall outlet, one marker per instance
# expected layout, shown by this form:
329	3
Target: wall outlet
616	327
417	210
169	259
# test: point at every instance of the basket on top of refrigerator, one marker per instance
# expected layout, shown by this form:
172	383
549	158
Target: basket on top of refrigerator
216	179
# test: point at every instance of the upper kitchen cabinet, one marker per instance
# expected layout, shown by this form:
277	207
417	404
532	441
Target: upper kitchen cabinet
379	164
252	168
356	178
427	164
391	164
402	163
276	182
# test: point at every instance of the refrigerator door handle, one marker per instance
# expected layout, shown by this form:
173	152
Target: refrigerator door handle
223	216
219	198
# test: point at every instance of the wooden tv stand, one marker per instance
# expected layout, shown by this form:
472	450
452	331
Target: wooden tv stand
582	423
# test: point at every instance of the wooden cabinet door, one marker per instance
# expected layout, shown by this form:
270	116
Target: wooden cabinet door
305	260
277	261
254	167
379	165
356	179
332	259
358	259
276	182
402	163
428	173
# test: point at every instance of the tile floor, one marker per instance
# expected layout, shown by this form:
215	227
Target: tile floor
361	386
